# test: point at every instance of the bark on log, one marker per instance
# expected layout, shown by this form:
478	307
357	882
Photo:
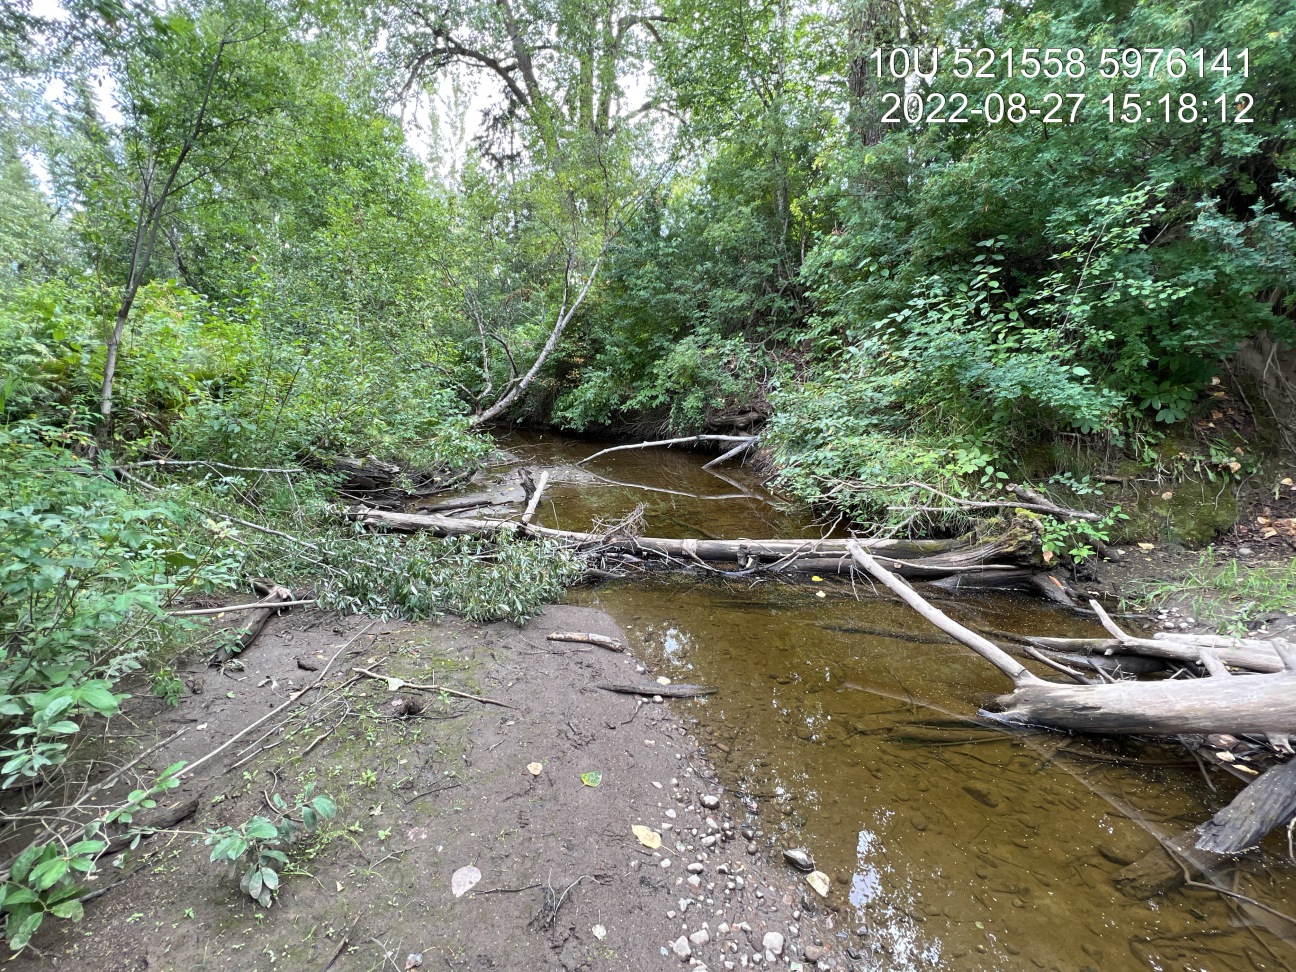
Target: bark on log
1244	703
910	558
1267	802
1276	656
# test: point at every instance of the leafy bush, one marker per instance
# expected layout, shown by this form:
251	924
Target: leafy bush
84	571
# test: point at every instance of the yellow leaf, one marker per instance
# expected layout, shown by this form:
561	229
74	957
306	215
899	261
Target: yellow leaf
647	836
817	579
1147	546
1048	556
1167	495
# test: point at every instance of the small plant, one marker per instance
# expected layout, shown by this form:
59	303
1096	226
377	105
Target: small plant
44	878
260	845
1078	540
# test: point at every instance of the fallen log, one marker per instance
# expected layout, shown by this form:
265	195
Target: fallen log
910	558
1267	802
586	638
1264	660
276	599
1249	703
676	690
684	440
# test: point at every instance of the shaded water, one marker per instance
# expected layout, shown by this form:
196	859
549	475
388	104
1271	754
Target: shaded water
848	724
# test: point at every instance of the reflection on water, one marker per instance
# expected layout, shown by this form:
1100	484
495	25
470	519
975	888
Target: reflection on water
848	726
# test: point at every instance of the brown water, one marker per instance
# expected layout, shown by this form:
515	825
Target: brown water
849	725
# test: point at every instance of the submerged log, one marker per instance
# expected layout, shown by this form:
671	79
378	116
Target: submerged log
910	558
1267	802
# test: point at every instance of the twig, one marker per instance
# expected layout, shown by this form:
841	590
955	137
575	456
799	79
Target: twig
396	684
525	887
292	700
334	957
205	462
199	612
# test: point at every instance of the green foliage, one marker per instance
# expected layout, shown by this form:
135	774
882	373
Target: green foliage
84	570
260	845
1224	592
420	576
44	878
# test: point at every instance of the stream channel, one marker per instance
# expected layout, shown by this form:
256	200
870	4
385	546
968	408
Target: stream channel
849	724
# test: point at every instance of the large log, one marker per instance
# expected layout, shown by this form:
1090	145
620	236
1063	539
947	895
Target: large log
1245	703
910	558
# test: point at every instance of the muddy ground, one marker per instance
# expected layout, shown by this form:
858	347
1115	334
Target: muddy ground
564	882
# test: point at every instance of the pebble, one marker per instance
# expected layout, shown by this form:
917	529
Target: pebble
800	858
723	928
708	841
813	953
694	881
671	813
709	801
681	948
665	862
700	937
773	942
696	867
751	849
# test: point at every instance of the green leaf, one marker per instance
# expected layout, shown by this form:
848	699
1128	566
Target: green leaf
46	875
270	877
19	937
325	807
592	778
23	864
68	909
259	828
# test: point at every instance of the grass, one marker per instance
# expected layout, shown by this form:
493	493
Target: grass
1226	593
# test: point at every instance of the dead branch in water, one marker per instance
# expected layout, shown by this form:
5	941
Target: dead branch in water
685	440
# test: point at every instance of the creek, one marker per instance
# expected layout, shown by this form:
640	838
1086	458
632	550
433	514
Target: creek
849	725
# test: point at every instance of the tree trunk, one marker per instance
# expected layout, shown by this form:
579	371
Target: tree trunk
917	558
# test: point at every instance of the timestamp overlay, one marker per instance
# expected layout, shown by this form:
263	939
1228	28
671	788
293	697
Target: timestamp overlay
1064	85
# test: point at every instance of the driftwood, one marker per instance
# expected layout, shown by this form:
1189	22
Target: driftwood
685	440
533	500
740	448
276	599
676	690
909	558
587	638
1269	800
